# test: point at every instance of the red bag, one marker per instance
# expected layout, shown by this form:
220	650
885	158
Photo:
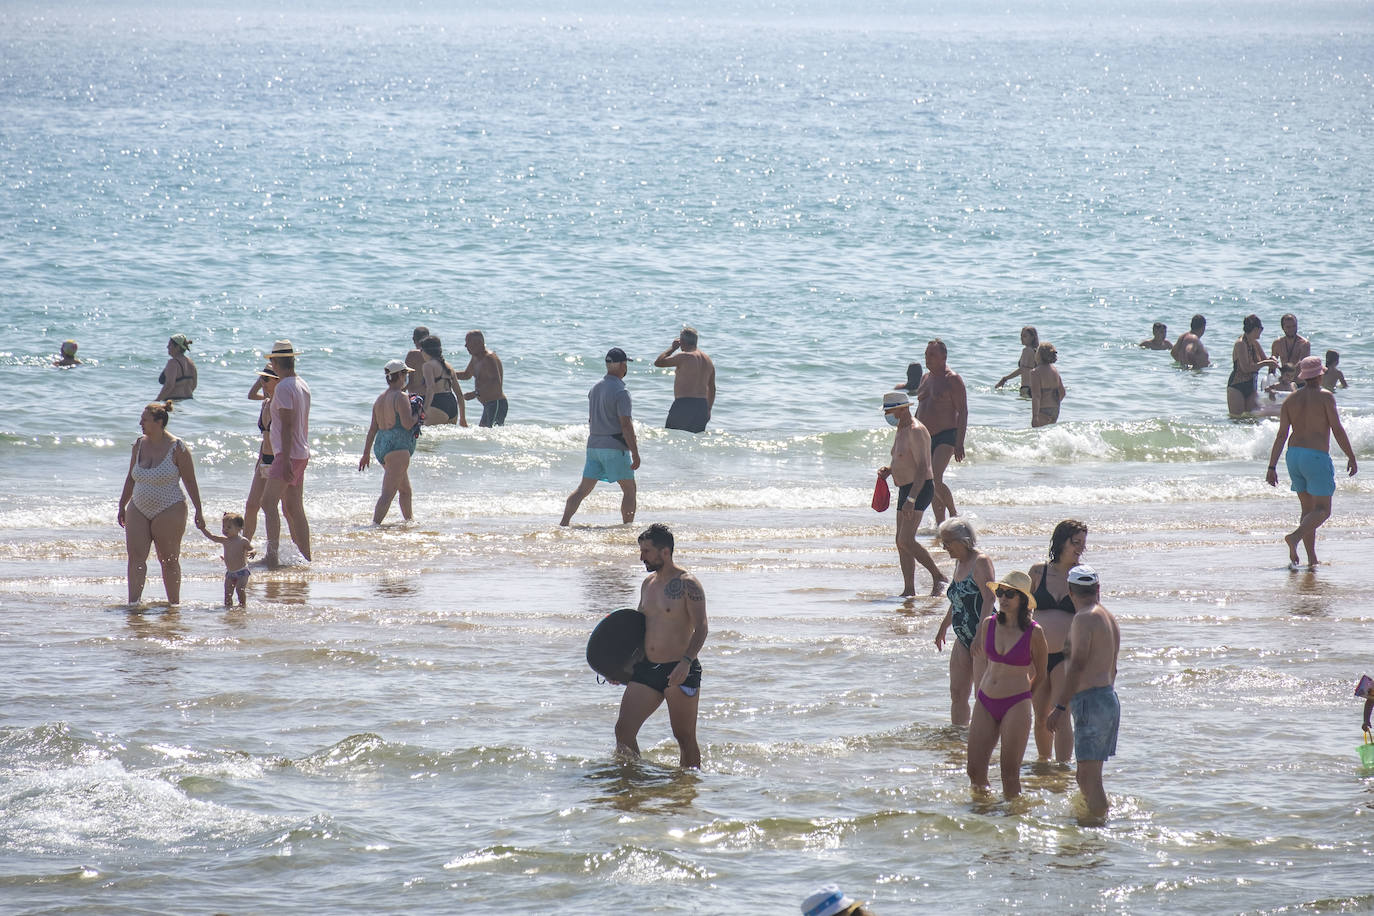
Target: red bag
882	496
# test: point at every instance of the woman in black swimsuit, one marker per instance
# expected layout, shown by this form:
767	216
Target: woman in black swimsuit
261	391
1054	613
178	378
443	394
1247	359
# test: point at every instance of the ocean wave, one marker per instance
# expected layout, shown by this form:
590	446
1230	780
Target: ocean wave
522	447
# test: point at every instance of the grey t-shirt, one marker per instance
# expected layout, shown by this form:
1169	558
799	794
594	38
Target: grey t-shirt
607	402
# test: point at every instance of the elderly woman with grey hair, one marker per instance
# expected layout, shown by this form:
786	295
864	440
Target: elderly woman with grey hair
969	592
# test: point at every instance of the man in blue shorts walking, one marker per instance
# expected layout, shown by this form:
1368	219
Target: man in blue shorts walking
612	450
1309	415
1092	647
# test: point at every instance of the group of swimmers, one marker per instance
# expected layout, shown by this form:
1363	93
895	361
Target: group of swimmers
1040	380
1247	358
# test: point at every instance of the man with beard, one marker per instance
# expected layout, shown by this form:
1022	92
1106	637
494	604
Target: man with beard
674	607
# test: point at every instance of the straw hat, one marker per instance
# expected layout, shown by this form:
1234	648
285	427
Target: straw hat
895	400
283	348
1018	581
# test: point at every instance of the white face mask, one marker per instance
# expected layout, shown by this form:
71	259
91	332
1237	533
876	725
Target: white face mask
891	419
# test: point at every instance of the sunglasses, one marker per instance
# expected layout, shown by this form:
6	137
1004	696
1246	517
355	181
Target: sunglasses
1005	592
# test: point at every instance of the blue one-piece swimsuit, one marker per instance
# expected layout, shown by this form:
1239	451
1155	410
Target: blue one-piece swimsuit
392	439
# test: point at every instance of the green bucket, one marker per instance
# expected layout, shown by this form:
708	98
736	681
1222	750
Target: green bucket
1367	753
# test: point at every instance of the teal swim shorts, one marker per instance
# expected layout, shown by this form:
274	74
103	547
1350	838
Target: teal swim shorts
609	464
1311	471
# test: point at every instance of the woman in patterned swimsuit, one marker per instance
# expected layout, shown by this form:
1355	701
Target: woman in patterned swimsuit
970	590
152	507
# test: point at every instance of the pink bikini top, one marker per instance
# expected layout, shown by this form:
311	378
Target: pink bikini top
1020	653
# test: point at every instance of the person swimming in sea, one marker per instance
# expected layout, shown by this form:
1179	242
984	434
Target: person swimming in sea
178	377
1333	376
1160	340
67	359
439	384
913	379
1030	341
1047	387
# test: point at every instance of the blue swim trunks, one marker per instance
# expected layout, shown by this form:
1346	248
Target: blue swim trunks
1096	716
1311	471
608	464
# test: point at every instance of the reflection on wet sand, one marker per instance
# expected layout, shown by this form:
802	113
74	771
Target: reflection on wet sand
1310	596
155	630
399	588
605	588
286	591
157	622
645	788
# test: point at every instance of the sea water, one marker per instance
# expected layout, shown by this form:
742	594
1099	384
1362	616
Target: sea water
406	723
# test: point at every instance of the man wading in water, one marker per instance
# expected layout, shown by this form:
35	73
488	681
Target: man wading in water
674	607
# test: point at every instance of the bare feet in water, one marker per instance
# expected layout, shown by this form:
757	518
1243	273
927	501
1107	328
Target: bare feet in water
938	586
1291	539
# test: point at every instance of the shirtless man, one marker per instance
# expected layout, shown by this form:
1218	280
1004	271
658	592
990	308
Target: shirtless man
911	471
1161	339
1189	352
674	607
942	406
1092	647
694	383
1291	348
415	361
1309	414
487	374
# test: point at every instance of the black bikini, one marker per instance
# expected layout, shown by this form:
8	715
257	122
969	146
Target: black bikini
162	376
1245	383
1045	600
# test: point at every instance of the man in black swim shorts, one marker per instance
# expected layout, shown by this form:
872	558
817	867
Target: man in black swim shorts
910	464
694	383
942	406
674	607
